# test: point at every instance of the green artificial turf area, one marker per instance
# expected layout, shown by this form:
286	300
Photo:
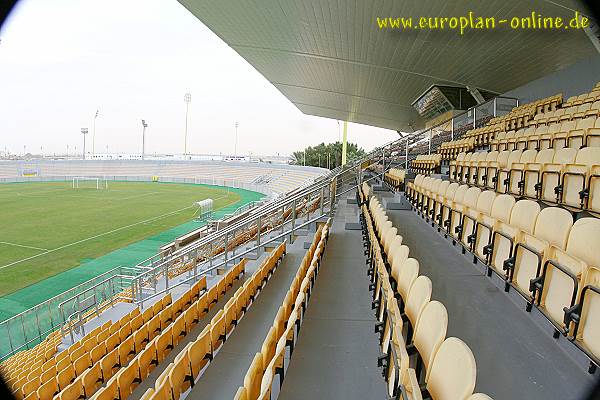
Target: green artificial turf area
47	228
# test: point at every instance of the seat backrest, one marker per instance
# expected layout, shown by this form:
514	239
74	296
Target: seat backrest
453	371
406	277
491	156
564	156
502	159
584	241
451	191
485	201
459	195
418	296
528	156
502	207
589	325
515	156
588	156
524	214
540	130
471	196
544	156
430	332
586	123
553	226
443	187
567	126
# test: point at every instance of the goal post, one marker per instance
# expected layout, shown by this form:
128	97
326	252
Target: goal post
86	182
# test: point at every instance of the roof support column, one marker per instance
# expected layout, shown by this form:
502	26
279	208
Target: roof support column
344	143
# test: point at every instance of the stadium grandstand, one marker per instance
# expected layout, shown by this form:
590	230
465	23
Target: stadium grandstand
458	262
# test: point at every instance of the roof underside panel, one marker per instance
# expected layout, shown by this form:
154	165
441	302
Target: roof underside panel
330	58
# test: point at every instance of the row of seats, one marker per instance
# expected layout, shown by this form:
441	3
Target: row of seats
568	177
395	177
154	341
417	357
520	116
17	368
111	349
426	163
449	150
195	357
67	363
269	361
530	115
549	259
575	134
582	106
585	110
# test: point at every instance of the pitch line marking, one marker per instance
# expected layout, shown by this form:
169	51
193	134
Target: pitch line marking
94	237
22	245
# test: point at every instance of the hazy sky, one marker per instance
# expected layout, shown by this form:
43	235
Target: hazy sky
61	60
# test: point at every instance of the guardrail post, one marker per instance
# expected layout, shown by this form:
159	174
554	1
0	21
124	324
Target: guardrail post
23	328
225	250
258	229
430	133
293	220
12	349
406	160
322	202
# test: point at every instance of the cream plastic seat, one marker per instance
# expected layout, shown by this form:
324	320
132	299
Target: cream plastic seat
517	170
452	204
482	168
437	198
552	227
586	327
494	168
592	138
453	371
484	205
430	332
487	223
503	181
446	202
523	217
418	297
460	210
559	286
532	173
593	191
577	136
575	177
551	173
406	277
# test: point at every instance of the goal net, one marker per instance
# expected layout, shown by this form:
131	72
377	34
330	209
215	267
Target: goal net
85	182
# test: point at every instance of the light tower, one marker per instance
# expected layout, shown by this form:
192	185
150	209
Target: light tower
144	126
94	133
187	98
84	132
237	124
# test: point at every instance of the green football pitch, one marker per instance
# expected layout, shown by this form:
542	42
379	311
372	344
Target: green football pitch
47	228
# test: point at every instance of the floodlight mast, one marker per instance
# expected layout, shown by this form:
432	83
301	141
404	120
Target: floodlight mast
237	124
84	132
144	126
187	98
